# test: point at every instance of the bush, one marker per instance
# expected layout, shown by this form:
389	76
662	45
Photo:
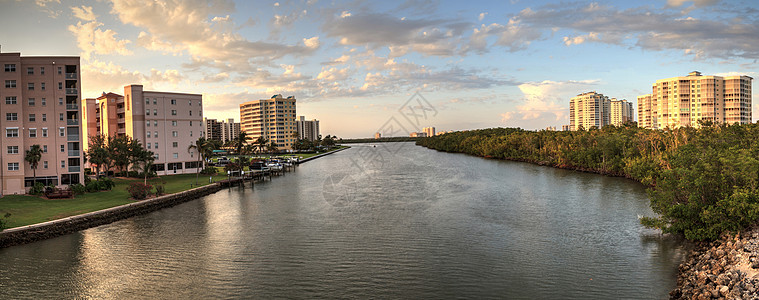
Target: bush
4	221
92	186
139	190
105	184
77	188
160	189
37	189
209	171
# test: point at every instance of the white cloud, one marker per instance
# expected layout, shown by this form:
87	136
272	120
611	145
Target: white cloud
91	39
576	40
481	16
545	102
311	43
85	13
678	3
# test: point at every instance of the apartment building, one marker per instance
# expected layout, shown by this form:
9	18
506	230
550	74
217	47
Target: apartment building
165	123
683	101
40	101
620	112
273	119
588	110
430	131
306	129
213	129
223	131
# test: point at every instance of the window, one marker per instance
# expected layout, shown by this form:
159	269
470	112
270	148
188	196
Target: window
190	132
173	102
173	123
176	155
63	148
156	145
60	70
44	149
32	118
60	85
60	101
155	112
30	86
60	116
10	100
149	144
147	112
148	134
29	71
175	144
43	101
11	116
173	112
10	68
62	131
174	134
42	86
11	132
199	102
31	101
147	123
10	84
42	70
156	134
191	113
44	132
189	102
147	100
12	149
33	132
155	101
44	164
13	166
63	164
155	123
190	123
156	157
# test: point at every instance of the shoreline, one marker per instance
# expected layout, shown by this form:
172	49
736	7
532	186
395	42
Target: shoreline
54	228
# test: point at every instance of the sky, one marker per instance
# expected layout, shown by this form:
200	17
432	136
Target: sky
360	67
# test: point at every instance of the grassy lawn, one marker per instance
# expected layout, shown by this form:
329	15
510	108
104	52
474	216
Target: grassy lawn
27	210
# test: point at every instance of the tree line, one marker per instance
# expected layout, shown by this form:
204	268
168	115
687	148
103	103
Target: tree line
701	181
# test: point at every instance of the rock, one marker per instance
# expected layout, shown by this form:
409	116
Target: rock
723	290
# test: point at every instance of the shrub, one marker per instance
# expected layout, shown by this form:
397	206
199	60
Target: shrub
92	186
37	189
77	188
87	180
160	189
139	190
105	184
208	171
4	221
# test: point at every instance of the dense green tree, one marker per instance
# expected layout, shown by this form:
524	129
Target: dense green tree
33	157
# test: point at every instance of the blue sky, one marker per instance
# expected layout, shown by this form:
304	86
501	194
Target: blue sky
353	64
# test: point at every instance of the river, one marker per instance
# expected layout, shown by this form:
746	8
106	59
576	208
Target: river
391	221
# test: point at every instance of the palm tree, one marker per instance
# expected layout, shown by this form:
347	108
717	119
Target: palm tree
240	140
201	146
261	142
33	157
272	147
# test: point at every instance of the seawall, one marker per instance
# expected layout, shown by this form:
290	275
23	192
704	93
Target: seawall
54	228
320	155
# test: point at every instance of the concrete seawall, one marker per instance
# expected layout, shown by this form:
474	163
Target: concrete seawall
50	229
323	154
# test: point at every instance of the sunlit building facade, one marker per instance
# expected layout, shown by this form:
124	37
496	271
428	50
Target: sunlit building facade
273	119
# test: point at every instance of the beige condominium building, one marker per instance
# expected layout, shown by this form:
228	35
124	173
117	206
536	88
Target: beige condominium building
307	129
620	112
165	123
683	101
40	101
273	119
430	131
588	110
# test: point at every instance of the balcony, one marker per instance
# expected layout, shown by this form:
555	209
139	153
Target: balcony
74	169
120	110
72	106
74	153
71	91
71	76
71	122
121	131
72	137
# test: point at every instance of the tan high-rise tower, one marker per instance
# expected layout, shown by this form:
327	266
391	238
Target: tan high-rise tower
273	119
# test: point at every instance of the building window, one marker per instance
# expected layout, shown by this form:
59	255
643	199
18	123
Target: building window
155	134
60	101
173	112
32	118
11	117
42	86
11	132
175	144
13	166
147	101
33	132
60	85
155	101
29	71
44	149
173	123
12	149
191	113
155	112
156	145
31	101
10	84
44	132
30	86
190	123
63	164
10	100
147	112
173	102
10	68
147	123
174	134
60	116
60	70
176	155
189	102
42	70
199	102
149	145
148	133
44	164
43	101
62	131
155	123
190	132
63	148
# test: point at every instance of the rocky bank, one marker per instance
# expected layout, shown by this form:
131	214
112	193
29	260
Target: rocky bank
727	268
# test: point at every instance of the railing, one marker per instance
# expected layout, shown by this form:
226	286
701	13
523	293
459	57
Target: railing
71	91
119	110
71	106
72	122
70	75
72	137
74	169
73	152
120	130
